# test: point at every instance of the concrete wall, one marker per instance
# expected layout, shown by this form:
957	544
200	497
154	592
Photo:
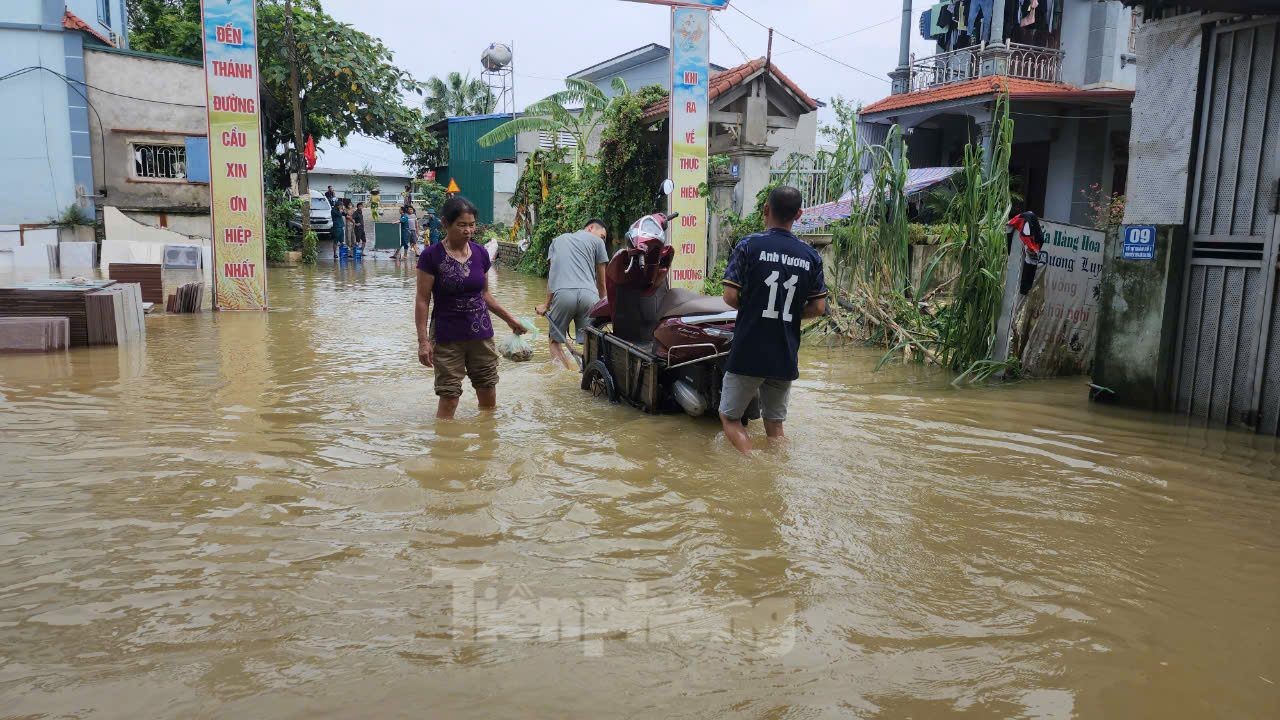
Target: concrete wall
1108	42
1095	35
802	139
178	113
193	224
36	169
655	72
1139	306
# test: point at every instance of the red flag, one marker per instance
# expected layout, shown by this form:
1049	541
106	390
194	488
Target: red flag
309	152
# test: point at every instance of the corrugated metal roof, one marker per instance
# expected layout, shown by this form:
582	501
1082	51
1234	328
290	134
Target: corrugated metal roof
476	118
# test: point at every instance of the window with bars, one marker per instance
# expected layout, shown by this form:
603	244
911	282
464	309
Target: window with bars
160	162
548	140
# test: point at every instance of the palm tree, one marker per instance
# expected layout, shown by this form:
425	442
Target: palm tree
457	96
556	114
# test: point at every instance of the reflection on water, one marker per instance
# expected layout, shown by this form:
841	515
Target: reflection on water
257	516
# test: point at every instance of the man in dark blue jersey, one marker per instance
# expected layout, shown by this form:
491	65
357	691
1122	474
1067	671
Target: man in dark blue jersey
774	280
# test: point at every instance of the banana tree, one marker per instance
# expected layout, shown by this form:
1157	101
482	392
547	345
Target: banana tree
578	111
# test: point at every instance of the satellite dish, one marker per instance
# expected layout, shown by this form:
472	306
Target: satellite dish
495	57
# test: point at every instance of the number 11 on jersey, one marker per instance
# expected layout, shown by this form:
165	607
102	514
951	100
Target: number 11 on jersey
771	311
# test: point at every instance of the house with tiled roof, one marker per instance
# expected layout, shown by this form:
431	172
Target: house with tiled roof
1068	68
46	165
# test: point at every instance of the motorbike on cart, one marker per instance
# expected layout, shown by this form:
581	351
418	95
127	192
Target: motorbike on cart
655	347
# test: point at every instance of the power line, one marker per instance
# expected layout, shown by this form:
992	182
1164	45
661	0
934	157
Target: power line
730	39
807	47
841	37
92	87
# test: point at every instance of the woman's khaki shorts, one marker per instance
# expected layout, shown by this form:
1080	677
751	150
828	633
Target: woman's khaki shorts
476	359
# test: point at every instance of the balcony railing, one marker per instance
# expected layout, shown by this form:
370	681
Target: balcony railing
1035	63
1027	62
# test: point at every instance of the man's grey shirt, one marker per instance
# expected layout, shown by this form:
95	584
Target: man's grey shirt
574	257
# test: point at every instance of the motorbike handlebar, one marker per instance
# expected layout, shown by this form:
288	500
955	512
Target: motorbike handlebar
672	216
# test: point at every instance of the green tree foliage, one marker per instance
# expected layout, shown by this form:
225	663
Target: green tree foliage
363	181
280	210
168	27
457	95
559	193
578	110
563	192
632	160
968	330
309	244
431	194
844	162
349	84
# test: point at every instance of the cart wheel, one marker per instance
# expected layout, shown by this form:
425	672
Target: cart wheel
597	380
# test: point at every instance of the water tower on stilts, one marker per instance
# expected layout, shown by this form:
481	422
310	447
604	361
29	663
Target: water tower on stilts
498	76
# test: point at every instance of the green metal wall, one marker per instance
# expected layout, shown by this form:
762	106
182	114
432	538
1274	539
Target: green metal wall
471	166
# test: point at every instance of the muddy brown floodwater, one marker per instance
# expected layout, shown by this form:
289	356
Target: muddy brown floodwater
256	516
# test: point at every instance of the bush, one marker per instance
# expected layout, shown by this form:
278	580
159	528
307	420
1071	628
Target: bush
431	194
280	237
714	284
309	243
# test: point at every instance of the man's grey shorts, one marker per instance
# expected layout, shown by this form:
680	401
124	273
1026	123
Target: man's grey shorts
573	304
738	391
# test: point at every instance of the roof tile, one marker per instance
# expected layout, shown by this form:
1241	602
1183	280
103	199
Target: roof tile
967	89
71	22
725	81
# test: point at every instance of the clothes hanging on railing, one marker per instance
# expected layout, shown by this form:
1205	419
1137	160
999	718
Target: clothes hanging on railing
1027	12
980	12
937	21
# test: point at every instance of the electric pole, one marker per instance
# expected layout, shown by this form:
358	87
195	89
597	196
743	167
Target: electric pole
295	97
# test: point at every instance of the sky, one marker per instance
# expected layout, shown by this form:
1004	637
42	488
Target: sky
554	38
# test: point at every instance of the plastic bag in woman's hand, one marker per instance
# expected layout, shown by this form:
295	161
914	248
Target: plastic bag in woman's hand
519	348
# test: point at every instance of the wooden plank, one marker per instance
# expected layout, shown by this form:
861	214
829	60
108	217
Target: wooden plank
149	275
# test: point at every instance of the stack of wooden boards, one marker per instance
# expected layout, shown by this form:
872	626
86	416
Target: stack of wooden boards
186	299
115	315
52	299
149	276
34	334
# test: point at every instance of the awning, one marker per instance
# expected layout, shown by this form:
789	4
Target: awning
918	180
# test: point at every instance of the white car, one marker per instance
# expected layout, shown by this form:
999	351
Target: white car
321	219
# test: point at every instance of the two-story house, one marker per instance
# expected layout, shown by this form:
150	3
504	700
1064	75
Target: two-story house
1068	67
46	160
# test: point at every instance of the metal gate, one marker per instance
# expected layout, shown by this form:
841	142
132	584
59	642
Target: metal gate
1231	315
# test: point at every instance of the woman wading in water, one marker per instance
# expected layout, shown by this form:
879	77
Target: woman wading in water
458	342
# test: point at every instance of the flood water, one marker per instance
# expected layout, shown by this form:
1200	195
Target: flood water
257	516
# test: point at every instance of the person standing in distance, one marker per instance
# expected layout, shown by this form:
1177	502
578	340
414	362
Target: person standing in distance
575	283
774	280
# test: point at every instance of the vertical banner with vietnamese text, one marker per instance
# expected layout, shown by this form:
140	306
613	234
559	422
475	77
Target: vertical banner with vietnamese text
690	66
235	154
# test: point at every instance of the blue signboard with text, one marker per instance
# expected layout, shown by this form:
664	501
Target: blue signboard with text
1139	242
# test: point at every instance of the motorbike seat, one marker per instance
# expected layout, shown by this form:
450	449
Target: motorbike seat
681	303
